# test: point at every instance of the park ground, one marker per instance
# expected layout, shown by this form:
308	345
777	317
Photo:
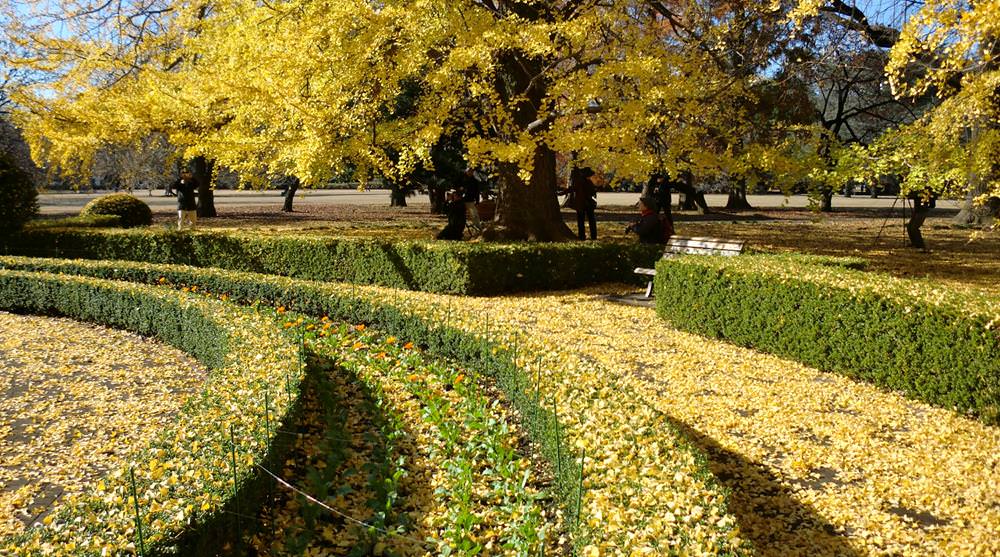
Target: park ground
815	463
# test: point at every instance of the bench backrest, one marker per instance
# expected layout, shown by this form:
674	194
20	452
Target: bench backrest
702	246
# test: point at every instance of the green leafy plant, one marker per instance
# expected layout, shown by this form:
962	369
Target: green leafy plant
934	343
130	210
18	198
445	267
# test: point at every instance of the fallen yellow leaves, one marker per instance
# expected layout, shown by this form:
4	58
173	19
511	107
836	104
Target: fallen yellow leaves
817	464
78	400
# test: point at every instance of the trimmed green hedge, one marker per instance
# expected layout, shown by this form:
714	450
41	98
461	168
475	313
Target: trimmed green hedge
184	479
443	267
130	210
934	343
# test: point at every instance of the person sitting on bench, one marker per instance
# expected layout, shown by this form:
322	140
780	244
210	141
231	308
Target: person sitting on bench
649	227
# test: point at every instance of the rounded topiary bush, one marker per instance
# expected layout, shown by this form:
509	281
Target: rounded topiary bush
18	197
130	210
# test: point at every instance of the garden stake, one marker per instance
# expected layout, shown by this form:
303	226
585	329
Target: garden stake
138	517
267	414
555	416
302	350
579	490
236	499
267	426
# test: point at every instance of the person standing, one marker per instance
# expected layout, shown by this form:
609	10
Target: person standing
583	199
470	196
187	205
455	210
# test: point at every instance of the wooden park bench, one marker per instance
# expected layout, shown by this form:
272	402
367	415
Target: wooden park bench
678	245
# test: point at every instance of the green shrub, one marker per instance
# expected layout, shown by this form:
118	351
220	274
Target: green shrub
18	197
247	352
91	221
130	210
443	267
934	343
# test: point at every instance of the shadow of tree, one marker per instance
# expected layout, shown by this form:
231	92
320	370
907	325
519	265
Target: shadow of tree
768	513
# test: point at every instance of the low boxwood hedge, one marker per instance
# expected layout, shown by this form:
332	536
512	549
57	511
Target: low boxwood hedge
185	479
939	344
443	267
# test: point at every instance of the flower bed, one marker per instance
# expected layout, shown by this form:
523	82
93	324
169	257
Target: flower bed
414	450
644	486
937	344
202	464
446	267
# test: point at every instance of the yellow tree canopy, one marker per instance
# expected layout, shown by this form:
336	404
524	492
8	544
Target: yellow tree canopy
310	87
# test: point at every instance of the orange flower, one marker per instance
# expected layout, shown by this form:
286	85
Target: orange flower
162	280
281	309
459	378
358	346
413	377
380	356
224	297
360	327
408	345
390	340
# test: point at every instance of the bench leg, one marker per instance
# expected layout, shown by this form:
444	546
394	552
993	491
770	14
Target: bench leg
649	289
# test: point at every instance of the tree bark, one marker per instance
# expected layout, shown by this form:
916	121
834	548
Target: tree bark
920	211
528	211
738	198
290	196
206	195
531	211
397	195
826	201
436	196
971	214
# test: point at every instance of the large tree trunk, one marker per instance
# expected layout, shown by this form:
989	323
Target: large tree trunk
971	214
206	196
738	198
290	196
528	211
826	201
397	194
531	211
436	196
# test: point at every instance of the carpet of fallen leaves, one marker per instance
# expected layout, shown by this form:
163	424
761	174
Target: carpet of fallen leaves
817	464
76	399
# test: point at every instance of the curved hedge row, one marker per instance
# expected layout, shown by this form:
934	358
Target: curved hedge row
444	267
494	356
184	478
935	343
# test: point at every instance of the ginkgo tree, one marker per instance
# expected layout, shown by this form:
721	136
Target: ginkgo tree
948	49
309	87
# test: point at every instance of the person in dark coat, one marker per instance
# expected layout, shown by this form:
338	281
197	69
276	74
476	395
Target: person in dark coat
649	227
455	209
187	204
470	195
583	199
